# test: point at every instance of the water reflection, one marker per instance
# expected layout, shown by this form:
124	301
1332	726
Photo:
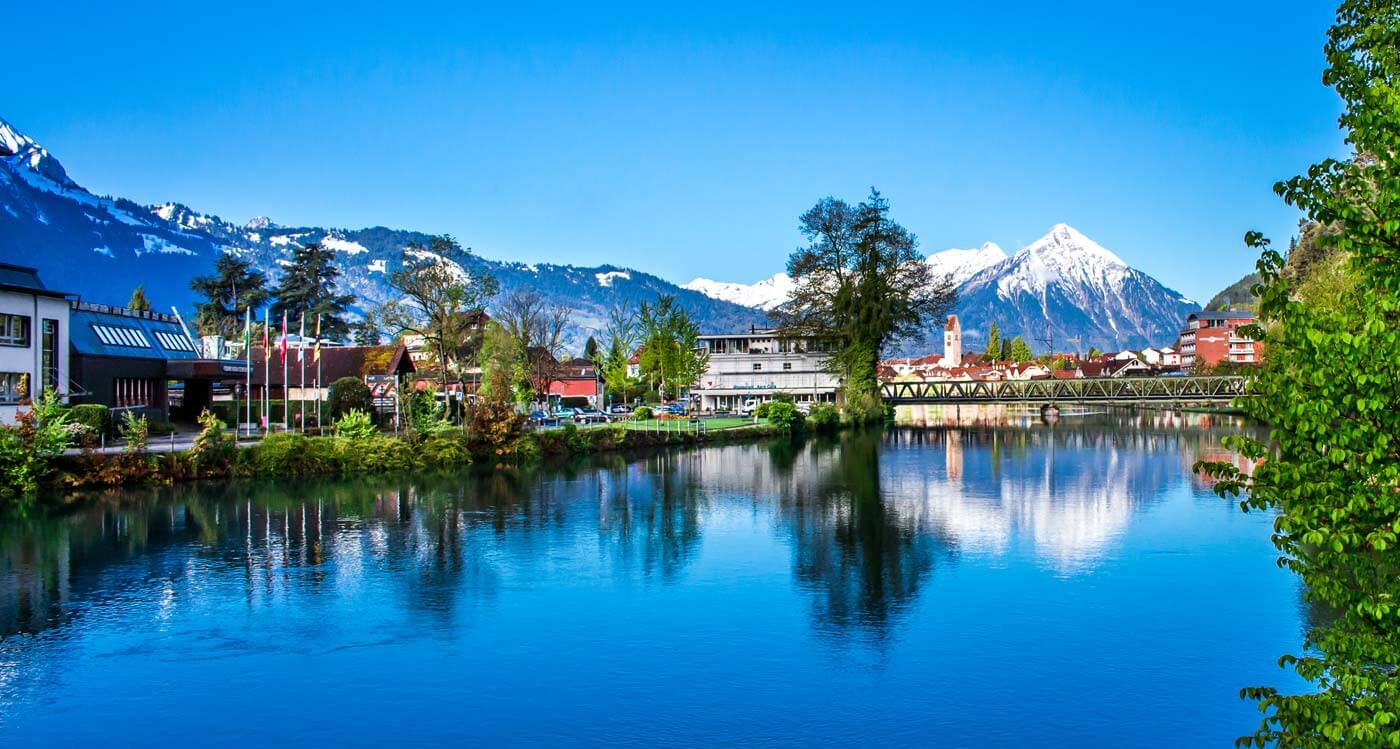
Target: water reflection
867	519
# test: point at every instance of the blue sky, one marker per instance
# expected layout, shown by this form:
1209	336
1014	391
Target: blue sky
686	141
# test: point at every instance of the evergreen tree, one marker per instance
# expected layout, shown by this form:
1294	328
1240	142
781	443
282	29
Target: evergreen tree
364	332
139	302
1020	350
1094	352
590	349
1005	351
234	287
309	287
993	342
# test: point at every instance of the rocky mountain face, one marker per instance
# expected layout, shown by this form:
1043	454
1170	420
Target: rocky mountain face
1063	287
102	247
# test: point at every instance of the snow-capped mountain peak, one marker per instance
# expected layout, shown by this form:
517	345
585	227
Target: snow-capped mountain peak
17	145
765	295
963	264
1064	242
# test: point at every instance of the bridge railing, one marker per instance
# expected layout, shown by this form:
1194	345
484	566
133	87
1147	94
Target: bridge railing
1087	389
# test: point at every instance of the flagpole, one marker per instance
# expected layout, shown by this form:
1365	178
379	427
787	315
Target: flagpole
320	397
285	379
248	364
301	360
267	368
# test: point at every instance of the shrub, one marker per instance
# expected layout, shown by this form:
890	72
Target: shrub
376	454
642	413
781	397
444	449
349	394
28	448
355	424
136	431
824	418
94	416
494	428
785	416
763	409
291	455
213	449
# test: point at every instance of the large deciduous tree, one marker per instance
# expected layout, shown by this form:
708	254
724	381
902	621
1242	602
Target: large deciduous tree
862	284
234	287
540	329
1330	467
308	287
671	357
438	296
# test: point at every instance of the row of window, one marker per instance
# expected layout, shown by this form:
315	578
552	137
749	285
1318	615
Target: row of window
14	387
174	341
112	335
758	366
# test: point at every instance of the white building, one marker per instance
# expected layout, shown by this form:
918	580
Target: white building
758	364
33	339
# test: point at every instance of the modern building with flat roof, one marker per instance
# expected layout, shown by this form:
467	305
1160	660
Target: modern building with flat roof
1213	337
33	339
758	364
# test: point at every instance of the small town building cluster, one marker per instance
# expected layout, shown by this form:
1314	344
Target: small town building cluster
148	361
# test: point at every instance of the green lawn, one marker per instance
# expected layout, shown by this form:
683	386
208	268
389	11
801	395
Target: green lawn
672	425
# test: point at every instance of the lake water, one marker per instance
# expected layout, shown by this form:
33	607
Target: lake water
992	586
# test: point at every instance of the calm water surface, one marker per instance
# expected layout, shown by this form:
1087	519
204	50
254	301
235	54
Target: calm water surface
986	586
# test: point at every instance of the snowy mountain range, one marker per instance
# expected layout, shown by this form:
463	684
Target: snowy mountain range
102	247
1062	287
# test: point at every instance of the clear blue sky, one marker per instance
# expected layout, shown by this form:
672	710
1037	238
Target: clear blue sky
686	141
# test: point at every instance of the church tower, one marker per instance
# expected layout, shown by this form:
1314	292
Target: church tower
952	343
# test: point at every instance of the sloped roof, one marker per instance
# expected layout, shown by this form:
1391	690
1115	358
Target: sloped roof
25	279
127	334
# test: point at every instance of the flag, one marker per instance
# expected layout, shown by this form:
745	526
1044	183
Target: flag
283	344
247	331
267	334
316	355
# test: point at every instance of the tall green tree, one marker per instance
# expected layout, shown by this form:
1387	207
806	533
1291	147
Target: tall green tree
308	287
993	342
1020	350
620	338
138	301
437	293
1330	467
234	286
862	284
672	359
590	349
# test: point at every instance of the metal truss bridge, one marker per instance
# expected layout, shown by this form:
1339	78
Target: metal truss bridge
1107	390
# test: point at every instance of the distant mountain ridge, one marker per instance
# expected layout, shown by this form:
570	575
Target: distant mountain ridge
1064	287
103	247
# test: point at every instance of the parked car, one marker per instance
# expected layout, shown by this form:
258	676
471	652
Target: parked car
590	416
620	409
675	409
564	413
539	417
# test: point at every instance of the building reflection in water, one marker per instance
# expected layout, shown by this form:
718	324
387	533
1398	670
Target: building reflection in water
867	520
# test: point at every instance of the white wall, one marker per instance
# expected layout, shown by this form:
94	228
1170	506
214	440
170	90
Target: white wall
28	359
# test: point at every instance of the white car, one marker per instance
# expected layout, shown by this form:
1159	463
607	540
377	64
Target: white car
749	406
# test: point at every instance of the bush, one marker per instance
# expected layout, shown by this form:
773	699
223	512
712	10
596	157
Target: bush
642	413
291	455
355	424
781	397
376	454
349	394
136	431
213	449
445	449
94	416
824	418
763	409
28	448
785	416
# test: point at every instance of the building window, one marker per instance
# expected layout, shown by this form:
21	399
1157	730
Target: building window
787	366
14	330
757	366
112	335
50	354
14	387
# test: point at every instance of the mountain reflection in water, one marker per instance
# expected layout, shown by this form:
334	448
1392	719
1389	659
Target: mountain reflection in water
863	540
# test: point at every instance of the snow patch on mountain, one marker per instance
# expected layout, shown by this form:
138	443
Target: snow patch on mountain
340	244
765	295
606	279
960	265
